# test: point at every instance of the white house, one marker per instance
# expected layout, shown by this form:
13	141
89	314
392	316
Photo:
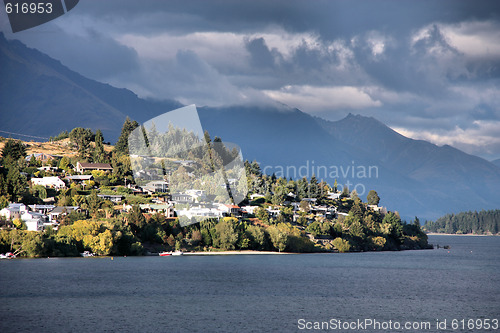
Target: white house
230	209
33	220
34	224
250	209
14	210
334	195
52	182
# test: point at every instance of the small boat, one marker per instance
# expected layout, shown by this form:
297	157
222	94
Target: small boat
170	253
87	254
8	255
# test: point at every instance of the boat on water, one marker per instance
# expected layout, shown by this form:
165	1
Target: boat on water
170	253
8	255
87	254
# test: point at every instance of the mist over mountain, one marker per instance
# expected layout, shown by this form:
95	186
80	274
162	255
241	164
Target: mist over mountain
39	96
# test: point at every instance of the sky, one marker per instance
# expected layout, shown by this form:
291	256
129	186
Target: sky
428	69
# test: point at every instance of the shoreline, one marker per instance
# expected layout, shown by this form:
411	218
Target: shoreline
215	253
444	234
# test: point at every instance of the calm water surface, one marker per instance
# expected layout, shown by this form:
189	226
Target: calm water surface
252	293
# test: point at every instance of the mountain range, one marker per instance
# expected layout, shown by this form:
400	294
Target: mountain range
41	97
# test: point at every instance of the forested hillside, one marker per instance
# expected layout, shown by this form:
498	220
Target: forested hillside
483	222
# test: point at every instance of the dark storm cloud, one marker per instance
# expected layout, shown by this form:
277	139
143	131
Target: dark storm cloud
259	53
429	67
92	53
330	19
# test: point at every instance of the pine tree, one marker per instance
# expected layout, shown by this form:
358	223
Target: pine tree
14	148
372	198
16	183
121	147
99	152
81	138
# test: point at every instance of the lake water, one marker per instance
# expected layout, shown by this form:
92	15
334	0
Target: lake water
255	293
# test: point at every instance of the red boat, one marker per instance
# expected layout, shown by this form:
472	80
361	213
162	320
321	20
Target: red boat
164	254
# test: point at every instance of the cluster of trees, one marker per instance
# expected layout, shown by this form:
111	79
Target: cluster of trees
231	233
109	237
483	222
369	230
12	182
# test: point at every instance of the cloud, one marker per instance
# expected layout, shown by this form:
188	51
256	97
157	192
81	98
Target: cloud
81	47
425	67
476	39
314	99
260	56
480	139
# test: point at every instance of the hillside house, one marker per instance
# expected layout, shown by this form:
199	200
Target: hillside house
250	209
156	186
52	182
166	209
34	224
83	167
42	209
60	211
79	179
13	211
115	198
182	198
334	195
230	210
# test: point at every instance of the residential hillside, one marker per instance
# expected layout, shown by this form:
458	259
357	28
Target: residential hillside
89	203
41	97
